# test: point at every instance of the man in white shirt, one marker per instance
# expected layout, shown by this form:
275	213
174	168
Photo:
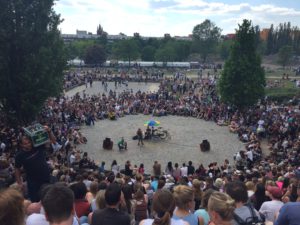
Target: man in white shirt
184	170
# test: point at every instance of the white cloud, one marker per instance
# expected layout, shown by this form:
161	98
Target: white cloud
156	17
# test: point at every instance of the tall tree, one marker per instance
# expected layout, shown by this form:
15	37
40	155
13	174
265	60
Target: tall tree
31	57
225	48
284	55
148	53
243	79
95	55
205	38
270	41
127	50
166	53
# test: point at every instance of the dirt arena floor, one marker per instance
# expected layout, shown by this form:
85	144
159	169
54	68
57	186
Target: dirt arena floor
186	135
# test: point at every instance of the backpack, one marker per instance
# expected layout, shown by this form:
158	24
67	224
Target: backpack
253	220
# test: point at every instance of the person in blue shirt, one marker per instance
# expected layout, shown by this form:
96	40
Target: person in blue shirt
289	214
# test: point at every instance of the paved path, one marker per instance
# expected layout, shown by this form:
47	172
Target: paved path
186	134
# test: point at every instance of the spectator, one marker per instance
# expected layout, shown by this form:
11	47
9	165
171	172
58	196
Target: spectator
184	170
184	200
191	168
11	207
221	208
198	192
270	208
202	213
57	201
259	196
81	205
110	215
163	207
156	169
289	214
237	190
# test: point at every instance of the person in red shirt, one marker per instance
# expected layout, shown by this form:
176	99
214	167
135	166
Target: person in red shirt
82	206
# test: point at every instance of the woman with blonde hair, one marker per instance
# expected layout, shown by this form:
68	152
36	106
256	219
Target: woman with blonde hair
185	205
12	210
221	208
163	207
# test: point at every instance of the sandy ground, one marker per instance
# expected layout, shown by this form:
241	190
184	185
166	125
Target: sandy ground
186	135
98	88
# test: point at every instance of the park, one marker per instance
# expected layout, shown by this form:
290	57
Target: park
116	129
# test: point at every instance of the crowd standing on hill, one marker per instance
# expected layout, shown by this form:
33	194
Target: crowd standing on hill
255	187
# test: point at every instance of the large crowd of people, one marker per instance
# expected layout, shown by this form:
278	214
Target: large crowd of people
41	184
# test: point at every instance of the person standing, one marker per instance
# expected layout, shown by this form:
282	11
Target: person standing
191	168
156	169
139	134
184	170
33	161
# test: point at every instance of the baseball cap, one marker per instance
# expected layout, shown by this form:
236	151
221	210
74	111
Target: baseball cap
275	191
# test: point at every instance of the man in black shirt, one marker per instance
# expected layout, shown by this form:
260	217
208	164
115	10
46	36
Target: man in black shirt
111	215
191	168
33	161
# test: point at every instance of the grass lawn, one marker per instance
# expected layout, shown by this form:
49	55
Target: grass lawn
278	72
286	90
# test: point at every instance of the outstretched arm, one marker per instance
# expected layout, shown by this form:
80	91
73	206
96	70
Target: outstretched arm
51	135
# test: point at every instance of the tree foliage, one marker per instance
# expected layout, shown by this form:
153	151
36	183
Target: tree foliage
95	55
224	49
31	57
284	34
148	53
127	50
205	38
243	79
284	55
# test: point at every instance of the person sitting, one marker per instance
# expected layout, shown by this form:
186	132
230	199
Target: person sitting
122	144
108	144
205	146
112	115
148	133
154	131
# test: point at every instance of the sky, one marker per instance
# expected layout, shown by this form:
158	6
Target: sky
177	17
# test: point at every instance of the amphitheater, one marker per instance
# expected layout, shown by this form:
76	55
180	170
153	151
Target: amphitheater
186	134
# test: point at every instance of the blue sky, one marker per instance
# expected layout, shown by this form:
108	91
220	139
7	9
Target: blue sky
176	17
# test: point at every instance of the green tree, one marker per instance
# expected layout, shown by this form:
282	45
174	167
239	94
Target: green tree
270	41
148	53
284	55
127	50
205	38
225	49
243	79
31	57
166	54
95	55
79	47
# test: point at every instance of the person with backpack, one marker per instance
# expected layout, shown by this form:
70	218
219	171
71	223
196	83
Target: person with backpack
244	213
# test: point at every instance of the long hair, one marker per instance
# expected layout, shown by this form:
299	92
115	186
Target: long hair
127	193
163	206
222	204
